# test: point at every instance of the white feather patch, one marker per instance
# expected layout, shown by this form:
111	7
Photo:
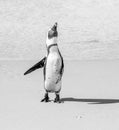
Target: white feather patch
51	41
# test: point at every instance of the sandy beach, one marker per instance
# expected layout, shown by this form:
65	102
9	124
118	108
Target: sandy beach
90	98
89	42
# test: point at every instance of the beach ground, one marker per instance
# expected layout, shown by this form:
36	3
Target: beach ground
90	97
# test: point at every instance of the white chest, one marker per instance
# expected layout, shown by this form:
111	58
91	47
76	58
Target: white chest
53	63
53	66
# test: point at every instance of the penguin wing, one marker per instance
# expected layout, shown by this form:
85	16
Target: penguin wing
38	65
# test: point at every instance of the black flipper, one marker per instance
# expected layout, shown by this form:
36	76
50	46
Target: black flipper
38	65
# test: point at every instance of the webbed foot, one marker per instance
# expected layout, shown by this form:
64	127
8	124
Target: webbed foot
57	99
46	98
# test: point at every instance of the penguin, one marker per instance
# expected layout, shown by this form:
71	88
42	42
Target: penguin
53	66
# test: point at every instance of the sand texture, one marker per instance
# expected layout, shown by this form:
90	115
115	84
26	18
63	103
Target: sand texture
90	97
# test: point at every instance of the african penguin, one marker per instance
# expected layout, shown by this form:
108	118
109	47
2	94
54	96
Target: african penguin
53	66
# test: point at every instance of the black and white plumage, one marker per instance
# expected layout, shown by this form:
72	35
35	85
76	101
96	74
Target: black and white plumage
53	66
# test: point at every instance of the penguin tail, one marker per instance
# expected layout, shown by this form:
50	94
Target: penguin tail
38	65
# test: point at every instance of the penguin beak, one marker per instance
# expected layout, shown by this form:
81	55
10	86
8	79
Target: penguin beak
54	28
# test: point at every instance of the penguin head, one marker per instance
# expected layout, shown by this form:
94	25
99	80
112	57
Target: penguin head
52	35
53	31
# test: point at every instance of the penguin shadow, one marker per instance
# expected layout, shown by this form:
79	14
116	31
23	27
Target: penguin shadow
90	100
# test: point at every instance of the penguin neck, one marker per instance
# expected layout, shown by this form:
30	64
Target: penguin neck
52	48
52	44
50	41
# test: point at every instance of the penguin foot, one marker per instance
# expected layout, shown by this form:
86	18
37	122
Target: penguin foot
46	98
57	99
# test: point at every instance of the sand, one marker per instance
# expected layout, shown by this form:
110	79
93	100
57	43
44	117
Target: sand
90	97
